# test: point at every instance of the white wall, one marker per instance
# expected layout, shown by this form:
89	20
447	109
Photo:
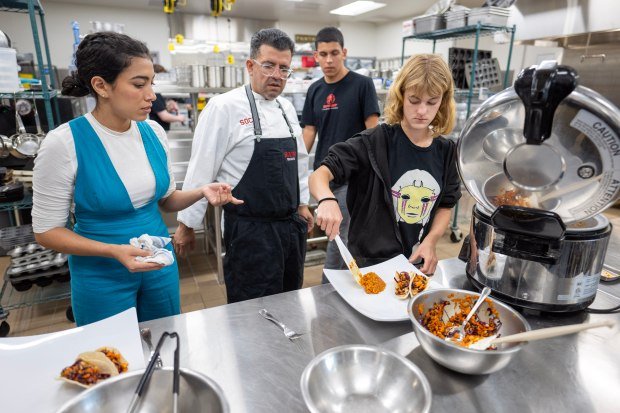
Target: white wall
149	27
359	38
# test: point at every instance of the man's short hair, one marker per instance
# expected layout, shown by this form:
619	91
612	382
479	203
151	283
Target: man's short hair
271	37
328	35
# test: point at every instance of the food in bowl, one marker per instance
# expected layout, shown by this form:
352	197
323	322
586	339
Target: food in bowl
443	318
91	367
408	283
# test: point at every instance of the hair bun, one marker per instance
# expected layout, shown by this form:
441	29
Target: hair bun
73	86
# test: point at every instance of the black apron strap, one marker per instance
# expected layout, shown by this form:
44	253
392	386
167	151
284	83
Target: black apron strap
258	132
290	128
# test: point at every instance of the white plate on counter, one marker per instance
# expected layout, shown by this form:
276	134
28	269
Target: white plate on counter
383	306
30	366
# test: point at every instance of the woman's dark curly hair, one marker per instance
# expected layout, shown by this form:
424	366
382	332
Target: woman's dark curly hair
104	54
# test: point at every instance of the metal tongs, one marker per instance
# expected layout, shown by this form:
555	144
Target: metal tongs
146	377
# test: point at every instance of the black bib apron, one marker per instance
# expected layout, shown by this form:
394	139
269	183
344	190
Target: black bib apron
265	238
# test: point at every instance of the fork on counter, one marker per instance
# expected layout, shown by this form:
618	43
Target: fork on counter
290	334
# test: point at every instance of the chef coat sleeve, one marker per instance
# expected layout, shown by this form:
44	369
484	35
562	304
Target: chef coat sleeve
53	182
212	140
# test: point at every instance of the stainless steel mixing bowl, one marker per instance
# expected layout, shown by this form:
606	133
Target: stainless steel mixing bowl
359	378
455	357
197	393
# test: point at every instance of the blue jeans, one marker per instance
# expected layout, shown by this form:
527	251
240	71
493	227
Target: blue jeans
333	260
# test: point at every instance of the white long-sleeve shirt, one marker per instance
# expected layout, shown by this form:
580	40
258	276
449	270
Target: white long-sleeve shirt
224	143
56	166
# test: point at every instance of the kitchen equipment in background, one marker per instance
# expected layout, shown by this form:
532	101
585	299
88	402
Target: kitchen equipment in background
12	192
183	75
430	23
5	41
230	79
199	76
494	16
486	73
23	144
40	134
215	76
539	141
9	81
5	146
359	378
456	18
458	58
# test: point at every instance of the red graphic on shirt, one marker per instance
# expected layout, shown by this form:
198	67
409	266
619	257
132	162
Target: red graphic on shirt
330	102
246	121
290	155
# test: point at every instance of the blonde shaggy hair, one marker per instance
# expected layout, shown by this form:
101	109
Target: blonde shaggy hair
424	74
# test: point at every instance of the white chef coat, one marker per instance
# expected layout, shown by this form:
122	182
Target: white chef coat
56	166
224	143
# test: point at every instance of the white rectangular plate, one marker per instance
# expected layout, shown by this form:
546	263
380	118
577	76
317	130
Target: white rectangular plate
30	366
379	307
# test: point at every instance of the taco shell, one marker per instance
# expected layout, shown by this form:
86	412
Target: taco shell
89	368
115	356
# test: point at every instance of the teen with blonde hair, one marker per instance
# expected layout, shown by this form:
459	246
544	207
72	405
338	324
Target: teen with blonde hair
402	175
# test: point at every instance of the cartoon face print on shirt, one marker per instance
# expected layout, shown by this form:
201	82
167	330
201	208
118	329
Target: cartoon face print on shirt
414	195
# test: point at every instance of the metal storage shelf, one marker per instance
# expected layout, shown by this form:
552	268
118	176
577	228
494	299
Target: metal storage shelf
12	299
33	7
460	33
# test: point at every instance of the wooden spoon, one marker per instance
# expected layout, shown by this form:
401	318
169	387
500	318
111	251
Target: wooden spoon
539	334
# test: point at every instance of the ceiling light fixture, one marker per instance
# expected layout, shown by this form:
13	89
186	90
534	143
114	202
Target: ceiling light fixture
357	7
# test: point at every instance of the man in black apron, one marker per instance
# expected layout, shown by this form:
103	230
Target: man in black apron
265	237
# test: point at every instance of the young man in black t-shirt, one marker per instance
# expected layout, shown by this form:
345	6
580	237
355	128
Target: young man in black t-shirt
338	106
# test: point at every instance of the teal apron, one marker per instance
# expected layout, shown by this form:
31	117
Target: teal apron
102	287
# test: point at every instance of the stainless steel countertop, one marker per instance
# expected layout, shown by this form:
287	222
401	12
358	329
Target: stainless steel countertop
259	369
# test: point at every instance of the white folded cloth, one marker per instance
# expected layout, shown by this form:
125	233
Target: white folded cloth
155	245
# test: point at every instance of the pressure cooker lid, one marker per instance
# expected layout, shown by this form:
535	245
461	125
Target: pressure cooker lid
548	144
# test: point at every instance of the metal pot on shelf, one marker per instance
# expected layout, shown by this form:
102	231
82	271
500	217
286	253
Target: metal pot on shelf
542	161
23	144
215	76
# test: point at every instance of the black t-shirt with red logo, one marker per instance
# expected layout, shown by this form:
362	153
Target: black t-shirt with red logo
159	104
338	110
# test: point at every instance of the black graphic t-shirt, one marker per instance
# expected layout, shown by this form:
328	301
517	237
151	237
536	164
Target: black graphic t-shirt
416	175
159	104
338	110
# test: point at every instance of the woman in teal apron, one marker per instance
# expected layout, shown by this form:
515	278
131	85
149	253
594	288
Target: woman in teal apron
106	278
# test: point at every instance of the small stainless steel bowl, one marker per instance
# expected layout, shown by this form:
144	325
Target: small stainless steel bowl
359	378
197	393
458	358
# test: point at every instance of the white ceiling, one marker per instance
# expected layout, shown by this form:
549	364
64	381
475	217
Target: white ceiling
306	10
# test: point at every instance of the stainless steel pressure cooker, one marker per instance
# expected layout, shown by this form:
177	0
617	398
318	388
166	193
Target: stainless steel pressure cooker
542	161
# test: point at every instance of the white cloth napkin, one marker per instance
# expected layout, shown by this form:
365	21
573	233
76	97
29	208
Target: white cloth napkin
155	245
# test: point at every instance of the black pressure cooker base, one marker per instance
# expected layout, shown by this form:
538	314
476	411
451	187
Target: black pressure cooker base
524	304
